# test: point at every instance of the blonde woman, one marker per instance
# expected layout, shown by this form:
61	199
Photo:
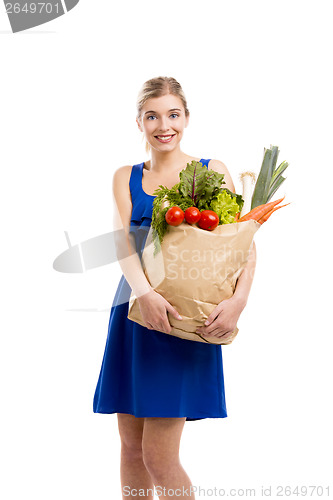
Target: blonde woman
153	381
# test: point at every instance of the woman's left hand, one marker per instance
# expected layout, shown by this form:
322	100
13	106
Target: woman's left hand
223	319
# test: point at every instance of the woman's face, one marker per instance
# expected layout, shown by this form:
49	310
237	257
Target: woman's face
163	122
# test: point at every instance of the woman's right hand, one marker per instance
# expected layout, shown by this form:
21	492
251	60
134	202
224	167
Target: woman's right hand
154	309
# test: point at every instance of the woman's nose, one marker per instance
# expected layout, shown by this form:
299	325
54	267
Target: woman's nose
164	125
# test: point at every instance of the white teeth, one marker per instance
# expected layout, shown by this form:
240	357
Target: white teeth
165	137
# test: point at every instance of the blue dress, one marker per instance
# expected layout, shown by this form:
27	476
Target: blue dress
148	373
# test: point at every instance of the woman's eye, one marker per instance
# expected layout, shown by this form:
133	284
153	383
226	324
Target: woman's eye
153	116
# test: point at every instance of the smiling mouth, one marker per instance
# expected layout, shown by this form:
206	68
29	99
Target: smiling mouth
165	138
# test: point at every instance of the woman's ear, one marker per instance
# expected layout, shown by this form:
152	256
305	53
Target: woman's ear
139	125
187	119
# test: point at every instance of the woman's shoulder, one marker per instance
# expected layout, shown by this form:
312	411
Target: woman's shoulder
217	165
122	174
123	170
121	177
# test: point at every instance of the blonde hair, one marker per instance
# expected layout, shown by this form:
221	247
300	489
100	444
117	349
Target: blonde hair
157	87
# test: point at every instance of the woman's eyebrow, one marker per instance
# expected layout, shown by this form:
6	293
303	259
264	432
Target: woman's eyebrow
173	109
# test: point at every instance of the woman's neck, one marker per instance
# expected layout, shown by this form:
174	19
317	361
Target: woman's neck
170	160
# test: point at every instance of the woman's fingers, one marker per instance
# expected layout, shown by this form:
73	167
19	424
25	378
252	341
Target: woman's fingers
153	312
161	324
211	333
172	311
161	327
218	332
225	335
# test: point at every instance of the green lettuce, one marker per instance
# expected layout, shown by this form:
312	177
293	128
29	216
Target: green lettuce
226	206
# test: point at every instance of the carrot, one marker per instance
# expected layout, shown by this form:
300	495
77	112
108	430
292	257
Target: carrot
236	217
258	212
268	214
248	215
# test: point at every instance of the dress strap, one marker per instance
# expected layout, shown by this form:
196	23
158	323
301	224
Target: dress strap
205	162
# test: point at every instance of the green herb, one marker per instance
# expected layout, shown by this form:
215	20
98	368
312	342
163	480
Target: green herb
171	197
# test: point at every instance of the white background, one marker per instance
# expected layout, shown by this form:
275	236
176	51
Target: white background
255	73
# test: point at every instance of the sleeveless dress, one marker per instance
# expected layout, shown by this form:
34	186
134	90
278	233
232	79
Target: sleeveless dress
148	373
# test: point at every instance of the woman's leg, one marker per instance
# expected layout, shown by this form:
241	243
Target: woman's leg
133	473
160	447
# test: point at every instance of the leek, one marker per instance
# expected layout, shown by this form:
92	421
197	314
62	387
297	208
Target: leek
270	177
247	179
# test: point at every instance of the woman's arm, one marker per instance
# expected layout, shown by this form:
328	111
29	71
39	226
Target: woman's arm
245	279
223	319
125	244
153	306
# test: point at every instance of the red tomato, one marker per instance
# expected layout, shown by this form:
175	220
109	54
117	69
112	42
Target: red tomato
174	216
209	220
192	215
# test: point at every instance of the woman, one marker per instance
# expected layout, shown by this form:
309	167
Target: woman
153	381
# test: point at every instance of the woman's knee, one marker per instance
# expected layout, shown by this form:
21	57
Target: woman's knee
130	431
158	462
160	445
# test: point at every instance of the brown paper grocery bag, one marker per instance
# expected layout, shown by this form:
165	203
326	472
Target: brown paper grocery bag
194	271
